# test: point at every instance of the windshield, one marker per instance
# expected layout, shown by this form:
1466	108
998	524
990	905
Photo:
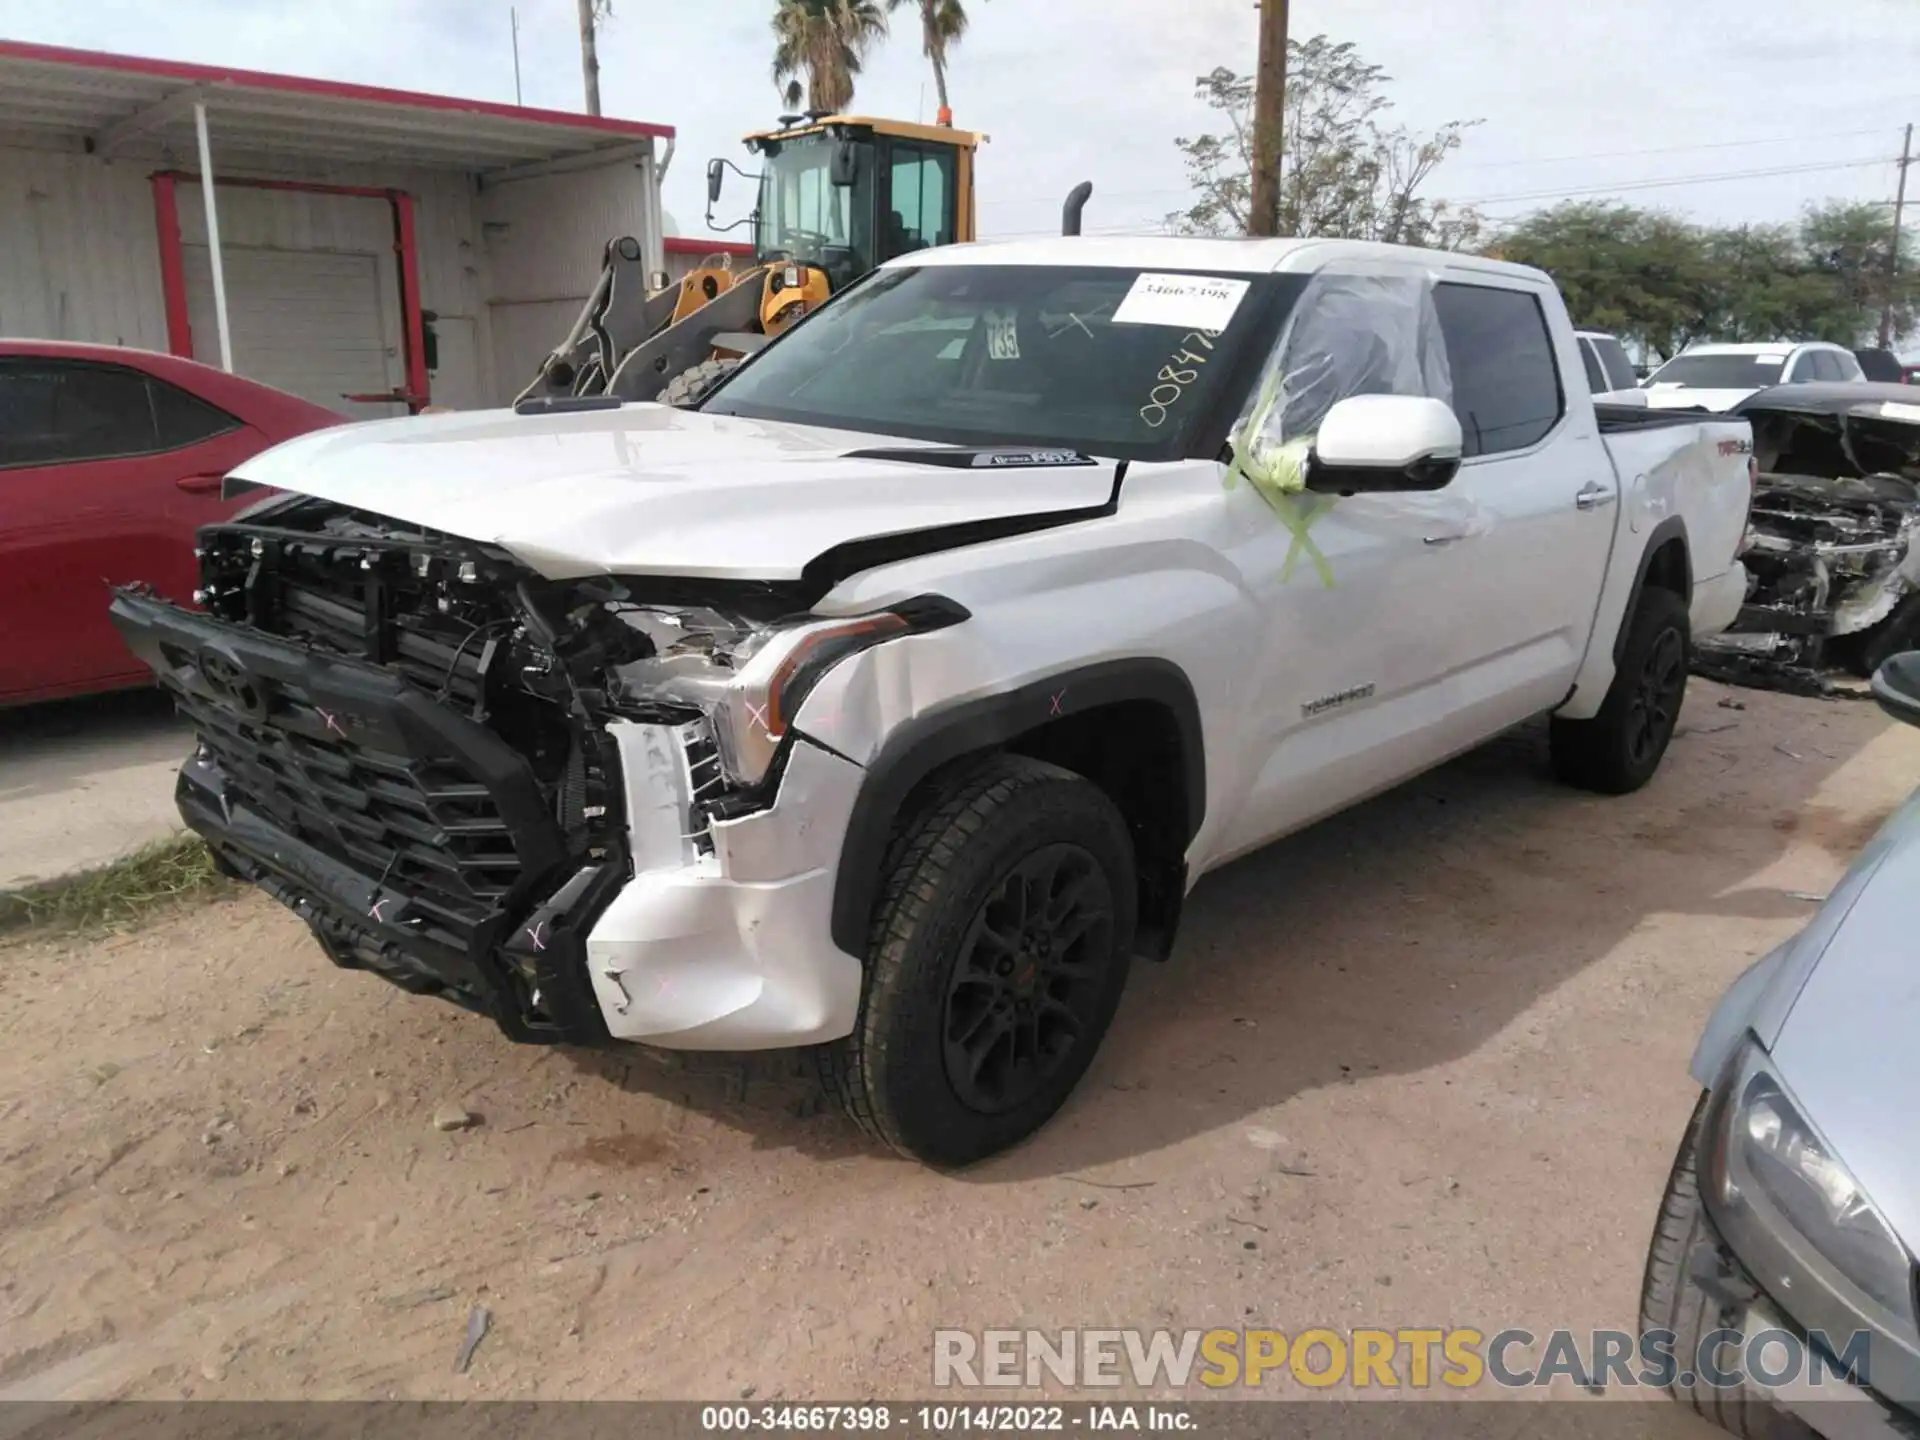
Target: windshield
1721	372
1109	361
803	215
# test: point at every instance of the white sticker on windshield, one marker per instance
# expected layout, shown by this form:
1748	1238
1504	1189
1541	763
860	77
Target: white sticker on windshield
1188	302
1771	357
1003	334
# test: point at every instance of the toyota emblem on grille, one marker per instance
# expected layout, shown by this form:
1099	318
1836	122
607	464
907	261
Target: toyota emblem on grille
228	679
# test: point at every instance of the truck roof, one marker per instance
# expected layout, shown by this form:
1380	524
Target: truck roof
1239	256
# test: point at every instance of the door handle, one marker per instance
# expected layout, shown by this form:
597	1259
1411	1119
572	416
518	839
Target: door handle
1444	539
200	484
1592	495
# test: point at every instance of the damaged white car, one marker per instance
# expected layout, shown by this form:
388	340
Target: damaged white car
1833	543
891	699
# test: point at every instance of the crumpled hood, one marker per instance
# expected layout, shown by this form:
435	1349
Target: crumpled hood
649	489
1847	1046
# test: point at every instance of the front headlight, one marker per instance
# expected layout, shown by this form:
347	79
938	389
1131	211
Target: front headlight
1772	1167
750	679
756	709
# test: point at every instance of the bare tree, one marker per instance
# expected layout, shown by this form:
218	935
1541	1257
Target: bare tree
1343	170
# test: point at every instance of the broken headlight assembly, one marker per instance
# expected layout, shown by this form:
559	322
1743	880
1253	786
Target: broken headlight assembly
1776	1178
749	679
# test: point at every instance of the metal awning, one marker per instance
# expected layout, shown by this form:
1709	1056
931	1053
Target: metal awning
126	105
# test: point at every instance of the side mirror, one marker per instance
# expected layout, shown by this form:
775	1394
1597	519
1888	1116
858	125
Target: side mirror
716	173
844	165
1896	685
1385	442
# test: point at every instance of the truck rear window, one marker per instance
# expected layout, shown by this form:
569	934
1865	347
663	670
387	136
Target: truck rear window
1119	362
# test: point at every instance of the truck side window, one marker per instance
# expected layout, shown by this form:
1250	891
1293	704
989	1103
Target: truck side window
1590	357
1613	360
1506	386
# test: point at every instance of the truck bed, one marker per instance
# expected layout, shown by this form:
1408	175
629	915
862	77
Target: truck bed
1614	419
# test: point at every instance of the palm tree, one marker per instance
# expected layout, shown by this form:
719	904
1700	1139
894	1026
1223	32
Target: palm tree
942	24
824	41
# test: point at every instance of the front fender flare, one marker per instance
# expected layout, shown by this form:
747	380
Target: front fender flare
923	744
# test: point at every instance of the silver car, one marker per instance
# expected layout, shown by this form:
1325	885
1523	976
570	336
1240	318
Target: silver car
1782	1269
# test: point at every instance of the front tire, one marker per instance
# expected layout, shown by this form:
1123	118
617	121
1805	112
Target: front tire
998	953
1866	652
1618	750
1672	1300
691	385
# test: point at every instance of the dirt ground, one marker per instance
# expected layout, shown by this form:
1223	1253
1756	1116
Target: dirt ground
1422	1065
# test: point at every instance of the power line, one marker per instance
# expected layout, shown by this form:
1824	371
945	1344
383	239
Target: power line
1623	186
1668	149
1454	165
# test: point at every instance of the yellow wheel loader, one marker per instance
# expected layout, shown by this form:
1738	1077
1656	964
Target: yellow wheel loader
838	196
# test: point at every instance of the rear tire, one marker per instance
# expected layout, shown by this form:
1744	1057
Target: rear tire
1618	750
691	385
1866	652
998	952
1671	1299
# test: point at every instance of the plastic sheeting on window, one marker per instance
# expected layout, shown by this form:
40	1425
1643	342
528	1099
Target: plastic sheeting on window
1350	334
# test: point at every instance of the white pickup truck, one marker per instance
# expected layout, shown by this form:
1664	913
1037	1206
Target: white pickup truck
891	699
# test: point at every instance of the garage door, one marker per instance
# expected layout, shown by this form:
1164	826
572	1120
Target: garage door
310	322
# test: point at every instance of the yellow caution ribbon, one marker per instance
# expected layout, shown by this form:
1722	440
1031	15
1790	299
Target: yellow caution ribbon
1280	478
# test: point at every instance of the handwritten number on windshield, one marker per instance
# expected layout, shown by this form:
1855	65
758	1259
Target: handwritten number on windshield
1172	381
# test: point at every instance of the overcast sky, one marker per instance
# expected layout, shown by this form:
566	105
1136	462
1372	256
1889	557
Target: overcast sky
1573	95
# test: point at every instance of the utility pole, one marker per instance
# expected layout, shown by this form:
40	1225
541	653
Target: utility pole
1893	255
513	16
1269	109
590	55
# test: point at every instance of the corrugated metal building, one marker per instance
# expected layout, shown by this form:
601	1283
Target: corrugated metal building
401	248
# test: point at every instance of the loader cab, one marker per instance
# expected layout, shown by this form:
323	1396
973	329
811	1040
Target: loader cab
848	194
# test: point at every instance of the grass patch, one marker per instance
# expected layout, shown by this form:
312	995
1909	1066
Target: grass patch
128	890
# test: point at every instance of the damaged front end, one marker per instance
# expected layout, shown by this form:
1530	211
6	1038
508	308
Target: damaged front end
414	741
1833	542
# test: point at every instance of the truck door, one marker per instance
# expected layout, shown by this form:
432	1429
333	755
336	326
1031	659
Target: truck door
1360	634
1544	497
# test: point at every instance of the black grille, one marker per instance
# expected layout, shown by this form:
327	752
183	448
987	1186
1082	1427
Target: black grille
385	748
369	603
709	781
425	828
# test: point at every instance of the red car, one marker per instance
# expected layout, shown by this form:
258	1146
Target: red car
110	460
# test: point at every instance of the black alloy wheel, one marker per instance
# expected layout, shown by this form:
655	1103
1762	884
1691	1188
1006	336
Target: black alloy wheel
1655	705
1026	984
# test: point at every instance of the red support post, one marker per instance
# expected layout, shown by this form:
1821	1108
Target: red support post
173	266
416	392
414	331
